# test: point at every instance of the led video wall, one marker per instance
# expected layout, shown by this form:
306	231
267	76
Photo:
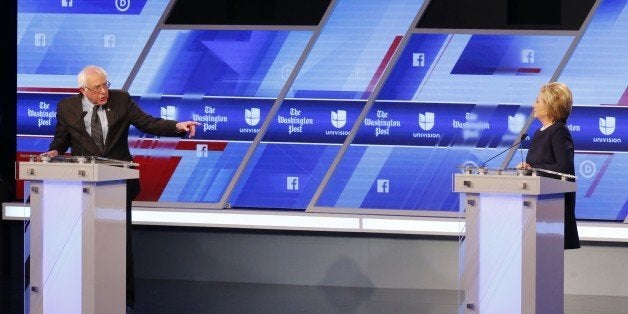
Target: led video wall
363	112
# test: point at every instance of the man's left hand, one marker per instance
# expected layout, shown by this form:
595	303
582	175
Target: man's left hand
188	126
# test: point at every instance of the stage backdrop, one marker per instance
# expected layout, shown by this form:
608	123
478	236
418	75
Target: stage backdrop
353	109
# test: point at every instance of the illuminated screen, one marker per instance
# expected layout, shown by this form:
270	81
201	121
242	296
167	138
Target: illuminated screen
278	105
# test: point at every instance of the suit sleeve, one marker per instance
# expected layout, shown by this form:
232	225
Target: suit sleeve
62	139
563	151
149	124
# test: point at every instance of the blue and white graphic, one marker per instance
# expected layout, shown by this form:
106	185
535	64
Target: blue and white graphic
383	186
252	116
516	123
339	118
607	125
202	150
168	112
527	56
40	40
292	183
449	99
418	59
426	121
109	41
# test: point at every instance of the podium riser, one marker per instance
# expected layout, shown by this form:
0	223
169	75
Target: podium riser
513	253
78	241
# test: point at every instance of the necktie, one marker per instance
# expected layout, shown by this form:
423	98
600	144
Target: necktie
97	130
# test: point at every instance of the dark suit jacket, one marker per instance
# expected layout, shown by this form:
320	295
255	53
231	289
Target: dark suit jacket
553	149
121	111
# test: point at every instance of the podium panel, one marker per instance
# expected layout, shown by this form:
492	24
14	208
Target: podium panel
76	236
512	252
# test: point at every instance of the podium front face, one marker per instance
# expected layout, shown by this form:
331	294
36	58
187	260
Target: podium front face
77	235
513	246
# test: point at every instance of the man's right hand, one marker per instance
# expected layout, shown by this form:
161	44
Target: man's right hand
51	153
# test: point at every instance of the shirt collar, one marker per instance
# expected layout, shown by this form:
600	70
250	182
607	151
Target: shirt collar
87	104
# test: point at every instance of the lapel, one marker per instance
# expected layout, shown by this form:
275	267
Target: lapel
77	112
111	116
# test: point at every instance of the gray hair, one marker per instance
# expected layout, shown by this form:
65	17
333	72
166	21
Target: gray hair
81	76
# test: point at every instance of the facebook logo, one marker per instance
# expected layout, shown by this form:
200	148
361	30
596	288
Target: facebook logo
418	59
383	186
527	56
67	3
292	183
201	150
109	41
40	40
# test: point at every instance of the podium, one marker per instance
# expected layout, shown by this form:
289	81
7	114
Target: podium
77	234
514	242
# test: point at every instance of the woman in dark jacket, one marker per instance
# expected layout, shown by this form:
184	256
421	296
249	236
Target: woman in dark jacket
552	146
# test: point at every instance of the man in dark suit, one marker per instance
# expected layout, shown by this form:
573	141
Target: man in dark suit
96	122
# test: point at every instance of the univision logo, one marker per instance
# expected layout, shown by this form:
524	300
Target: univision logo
339	118
516	122
607	125
426	120
252	116
168	112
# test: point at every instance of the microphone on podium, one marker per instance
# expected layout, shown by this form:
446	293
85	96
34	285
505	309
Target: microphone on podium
521	139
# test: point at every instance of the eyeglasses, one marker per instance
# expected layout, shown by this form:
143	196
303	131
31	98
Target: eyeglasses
102	87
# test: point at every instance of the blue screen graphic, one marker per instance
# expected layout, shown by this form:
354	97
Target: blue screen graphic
368	111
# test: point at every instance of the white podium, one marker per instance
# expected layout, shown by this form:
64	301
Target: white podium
77	235
514	241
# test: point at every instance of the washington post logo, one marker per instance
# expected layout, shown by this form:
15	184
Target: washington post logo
527	56
201	150
339	118
67	3
418	59
109	41
292	183
252	116
427	120
169	113
40	40
607	125
383	186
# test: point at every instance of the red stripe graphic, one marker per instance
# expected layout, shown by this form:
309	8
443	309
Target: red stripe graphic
48	90
191	145
382	66
528	70
155	172
599	176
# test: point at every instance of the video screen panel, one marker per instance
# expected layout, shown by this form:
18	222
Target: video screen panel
596	73
450	98
323	103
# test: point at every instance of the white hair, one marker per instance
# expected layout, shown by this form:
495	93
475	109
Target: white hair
81	76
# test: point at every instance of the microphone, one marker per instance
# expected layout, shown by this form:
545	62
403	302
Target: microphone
521	139
78	142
